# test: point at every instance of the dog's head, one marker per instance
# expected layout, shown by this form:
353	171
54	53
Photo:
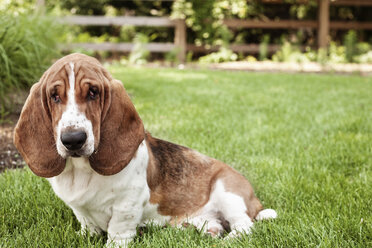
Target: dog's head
77	109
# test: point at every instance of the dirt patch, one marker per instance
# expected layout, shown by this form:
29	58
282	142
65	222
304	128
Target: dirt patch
9	156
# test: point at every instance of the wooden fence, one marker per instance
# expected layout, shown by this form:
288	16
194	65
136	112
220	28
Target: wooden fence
179	26
322	25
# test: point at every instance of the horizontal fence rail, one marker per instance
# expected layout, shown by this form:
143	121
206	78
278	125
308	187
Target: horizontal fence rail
352	2
293	24
246	48
282	24
333	2
119	21
167	47
124	47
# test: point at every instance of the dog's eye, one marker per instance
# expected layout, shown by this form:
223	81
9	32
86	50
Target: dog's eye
55	97
93	93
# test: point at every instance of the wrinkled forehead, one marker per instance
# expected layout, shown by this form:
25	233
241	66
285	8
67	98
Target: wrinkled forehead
81	66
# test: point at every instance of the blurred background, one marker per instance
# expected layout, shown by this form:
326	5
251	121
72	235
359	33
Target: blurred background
299	35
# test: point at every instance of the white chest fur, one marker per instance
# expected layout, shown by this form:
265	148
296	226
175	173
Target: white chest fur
108	202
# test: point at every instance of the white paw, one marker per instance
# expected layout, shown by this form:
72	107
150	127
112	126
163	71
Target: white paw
266	214
215	231
237	234
243	227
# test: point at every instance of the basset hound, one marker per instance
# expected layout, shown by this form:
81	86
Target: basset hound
80	130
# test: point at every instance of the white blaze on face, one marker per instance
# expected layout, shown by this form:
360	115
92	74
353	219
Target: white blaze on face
71	92
72	120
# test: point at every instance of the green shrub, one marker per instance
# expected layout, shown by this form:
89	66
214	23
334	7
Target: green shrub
263	49
357	52
140	54
27	46
172	56
363	47
290	53
127	33
283	54
337	54
364	53
17	7
223	55
350	44
364	58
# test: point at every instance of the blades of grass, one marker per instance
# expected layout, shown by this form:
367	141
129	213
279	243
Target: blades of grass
27	46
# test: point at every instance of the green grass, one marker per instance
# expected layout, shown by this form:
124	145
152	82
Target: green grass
27	46
304	142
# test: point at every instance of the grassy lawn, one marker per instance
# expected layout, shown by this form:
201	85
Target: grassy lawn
303	141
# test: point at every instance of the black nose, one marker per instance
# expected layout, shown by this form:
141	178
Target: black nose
73	140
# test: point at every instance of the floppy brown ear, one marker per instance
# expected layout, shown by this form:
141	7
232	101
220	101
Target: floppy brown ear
121	132
33	136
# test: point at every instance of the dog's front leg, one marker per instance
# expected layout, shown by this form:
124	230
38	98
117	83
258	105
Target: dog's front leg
126	216
86	225
122	227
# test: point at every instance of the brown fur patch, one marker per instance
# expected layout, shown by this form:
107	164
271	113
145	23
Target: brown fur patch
177	181
181	180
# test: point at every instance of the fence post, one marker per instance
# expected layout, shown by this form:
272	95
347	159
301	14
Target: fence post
323	23
180	39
